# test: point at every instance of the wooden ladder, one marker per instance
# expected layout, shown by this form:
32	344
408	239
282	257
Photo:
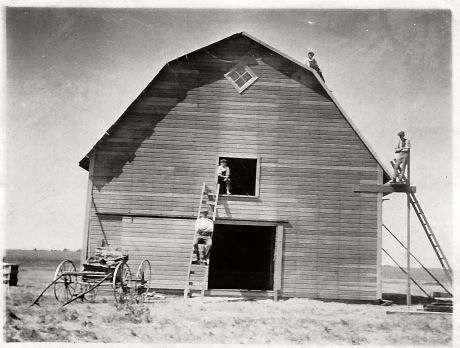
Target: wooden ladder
428	231
197	274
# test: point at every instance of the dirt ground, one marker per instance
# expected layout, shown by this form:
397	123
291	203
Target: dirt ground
171	319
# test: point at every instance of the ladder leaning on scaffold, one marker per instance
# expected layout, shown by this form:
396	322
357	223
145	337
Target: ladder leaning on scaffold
428	230
197	274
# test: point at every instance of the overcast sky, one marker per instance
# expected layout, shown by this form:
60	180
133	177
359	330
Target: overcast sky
72	72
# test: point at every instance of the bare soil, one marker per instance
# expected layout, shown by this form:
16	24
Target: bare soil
171	319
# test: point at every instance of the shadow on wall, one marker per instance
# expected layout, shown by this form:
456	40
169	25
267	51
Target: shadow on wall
138	123
170	87
167	89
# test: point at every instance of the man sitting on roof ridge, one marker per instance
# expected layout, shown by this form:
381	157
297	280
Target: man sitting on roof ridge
312	63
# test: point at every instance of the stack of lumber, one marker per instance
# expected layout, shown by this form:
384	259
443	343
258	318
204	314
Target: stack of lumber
439	304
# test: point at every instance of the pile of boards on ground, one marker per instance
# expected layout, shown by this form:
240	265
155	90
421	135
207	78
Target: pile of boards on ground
442	302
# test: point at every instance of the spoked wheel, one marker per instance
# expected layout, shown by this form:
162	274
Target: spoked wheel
122	283
143	276
65	286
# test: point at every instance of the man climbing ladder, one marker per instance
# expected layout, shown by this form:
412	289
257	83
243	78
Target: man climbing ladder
203	234
198	270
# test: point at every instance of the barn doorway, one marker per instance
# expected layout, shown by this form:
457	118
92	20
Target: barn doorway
242	257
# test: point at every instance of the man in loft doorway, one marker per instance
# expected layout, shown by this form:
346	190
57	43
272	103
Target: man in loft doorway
402	159
223	177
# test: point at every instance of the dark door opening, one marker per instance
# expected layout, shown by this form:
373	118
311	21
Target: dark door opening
242	257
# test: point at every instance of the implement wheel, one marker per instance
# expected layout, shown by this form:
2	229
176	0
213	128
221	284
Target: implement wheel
65	287
143	277
122	283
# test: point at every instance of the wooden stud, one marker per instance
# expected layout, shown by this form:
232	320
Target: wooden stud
409	299
379	235
89	203
370	188
278	260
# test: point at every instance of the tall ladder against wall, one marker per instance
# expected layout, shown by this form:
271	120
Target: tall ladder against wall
428	231
197	274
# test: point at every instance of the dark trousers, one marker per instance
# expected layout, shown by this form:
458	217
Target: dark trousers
202	239
224	186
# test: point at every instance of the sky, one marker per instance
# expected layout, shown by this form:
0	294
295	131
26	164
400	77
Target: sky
71	72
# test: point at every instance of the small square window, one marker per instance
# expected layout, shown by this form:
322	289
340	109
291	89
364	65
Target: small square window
240	69
233	75
241	77
246	76
243	175
240	83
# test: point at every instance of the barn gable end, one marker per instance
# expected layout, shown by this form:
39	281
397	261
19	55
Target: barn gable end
148	171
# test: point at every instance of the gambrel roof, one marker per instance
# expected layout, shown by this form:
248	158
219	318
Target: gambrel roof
84	163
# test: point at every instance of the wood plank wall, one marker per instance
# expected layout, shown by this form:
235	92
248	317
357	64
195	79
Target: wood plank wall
157	158
166	243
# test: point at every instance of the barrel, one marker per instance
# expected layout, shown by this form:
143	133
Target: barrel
10	274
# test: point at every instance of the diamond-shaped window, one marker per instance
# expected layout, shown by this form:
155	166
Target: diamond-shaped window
241	77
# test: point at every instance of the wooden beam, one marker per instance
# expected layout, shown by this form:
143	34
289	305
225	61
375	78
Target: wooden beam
370	188
89	202
278	256
223	221
409	297
379	235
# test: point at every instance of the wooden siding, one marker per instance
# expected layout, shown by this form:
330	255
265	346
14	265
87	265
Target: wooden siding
165	146
104	227
166	243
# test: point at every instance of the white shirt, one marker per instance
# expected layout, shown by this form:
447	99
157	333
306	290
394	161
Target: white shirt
204	225
220	169
311	62
405	148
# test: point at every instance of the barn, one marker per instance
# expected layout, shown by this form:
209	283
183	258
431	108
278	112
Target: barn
293	226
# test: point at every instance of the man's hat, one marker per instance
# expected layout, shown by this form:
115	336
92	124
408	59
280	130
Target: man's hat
311	53
223	160
401	133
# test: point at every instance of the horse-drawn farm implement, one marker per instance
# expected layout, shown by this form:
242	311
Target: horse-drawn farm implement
108	269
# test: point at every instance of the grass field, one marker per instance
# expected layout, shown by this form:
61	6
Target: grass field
171	319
